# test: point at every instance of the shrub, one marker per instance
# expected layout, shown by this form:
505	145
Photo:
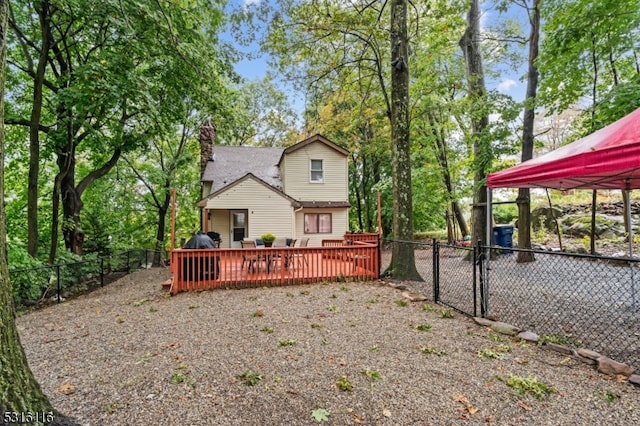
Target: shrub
27	284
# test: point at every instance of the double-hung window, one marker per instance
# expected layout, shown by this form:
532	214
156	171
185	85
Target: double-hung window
317	223
316	171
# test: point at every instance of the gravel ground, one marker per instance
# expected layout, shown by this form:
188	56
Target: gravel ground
128	354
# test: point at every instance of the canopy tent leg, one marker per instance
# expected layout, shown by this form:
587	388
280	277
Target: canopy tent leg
630	239
487	254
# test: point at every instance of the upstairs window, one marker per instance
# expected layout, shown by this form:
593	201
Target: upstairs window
317	223
316	171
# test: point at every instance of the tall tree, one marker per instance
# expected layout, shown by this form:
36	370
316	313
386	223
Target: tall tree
158	172
528	135
403	265
470	44
19	390
102	103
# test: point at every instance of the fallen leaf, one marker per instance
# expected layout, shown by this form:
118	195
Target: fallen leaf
386	413
524	406
620	378
460	398
66	388
357	419
471	409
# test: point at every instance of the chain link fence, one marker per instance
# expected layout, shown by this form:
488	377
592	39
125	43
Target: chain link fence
577	300
54	283
580	300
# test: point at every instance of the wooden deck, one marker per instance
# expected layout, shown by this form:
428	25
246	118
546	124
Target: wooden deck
200	269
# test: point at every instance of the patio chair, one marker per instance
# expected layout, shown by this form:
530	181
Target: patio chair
299	258
252	260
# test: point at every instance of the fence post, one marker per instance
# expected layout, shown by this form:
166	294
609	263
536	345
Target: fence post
481	265
436	272
475	284
58	279
128	261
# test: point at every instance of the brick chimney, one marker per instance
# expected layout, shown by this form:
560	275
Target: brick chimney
207	141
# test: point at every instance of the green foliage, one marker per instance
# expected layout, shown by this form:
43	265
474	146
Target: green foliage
286	342
531	385
490	353
446	313
344	384
423	327
559	339
320	415
505	213
573	66
268	237
119	105
250	378
28	284
428	350
372	375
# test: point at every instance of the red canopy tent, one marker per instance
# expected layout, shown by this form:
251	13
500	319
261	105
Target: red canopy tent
606	159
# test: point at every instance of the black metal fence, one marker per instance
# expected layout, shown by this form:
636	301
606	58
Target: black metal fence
580	300
54	283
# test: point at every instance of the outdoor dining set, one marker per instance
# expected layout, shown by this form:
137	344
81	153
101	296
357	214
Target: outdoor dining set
270	258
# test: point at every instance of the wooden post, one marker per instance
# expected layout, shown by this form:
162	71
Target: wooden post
379	215
173	220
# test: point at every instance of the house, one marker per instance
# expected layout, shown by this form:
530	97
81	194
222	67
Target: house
298	192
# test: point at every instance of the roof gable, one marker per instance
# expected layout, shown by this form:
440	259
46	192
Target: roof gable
251	176
317	138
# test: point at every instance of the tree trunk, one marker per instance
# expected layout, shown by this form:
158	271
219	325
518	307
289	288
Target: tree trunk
441	155
470	44
34	132
19	390
462	223
403	265
163	209
524	200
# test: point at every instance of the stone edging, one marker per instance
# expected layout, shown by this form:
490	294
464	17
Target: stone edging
602	363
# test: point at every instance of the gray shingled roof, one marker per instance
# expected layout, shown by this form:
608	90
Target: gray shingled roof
233	162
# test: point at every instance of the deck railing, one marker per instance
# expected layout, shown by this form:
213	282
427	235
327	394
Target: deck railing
200	269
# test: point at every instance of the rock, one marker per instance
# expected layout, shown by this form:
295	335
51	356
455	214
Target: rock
529	336
589	354
414	297
483	321
634	379
613	368
559	348
545	216
504	328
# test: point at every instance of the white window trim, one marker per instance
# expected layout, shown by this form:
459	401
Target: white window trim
311	170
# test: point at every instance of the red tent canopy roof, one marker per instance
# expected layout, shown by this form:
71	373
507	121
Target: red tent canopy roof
606	159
